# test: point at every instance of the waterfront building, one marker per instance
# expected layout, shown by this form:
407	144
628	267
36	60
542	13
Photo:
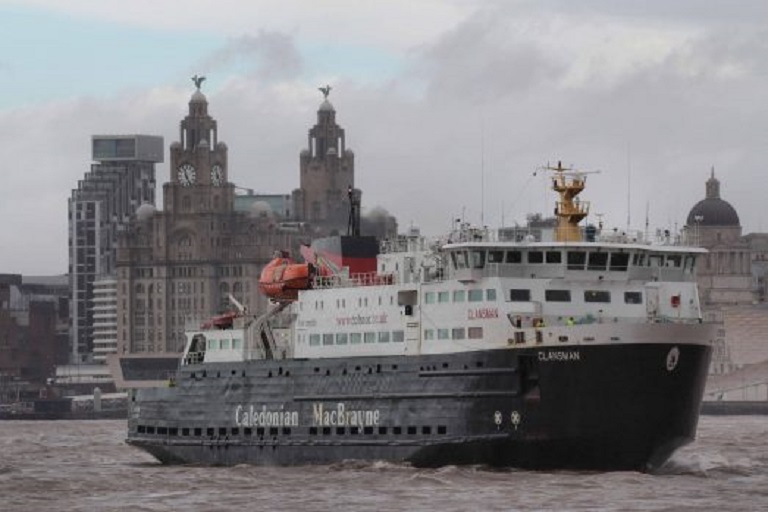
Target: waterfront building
121	179
104	318
178	266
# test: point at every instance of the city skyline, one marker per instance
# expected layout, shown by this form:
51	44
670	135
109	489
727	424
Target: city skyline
451	102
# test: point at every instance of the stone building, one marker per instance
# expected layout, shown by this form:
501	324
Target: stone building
179	265
326	175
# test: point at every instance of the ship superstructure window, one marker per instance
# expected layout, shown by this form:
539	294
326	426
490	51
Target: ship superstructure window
674	260
224	344
554	257
557	295
597	296
475	333
443	297
495	256
490	294
429	334
638	260
478	259
690	264
535	257
443	334
213	344
459	259
369	337
398	336
429	298
619	261
237	344
384	337
355	338
341	338
576	260
514	257
598	261
633	297
475	295
327	339
519	295
314	339
655	260
457	333
458	296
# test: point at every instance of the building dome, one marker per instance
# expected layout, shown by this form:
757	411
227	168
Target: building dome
145	212
198	97
712	210
326	106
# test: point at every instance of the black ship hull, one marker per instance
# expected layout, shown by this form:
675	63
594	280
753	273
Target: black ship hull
598	407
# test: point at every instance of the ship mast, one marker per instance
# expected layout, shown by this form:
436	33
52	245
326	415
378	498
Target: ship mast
569	210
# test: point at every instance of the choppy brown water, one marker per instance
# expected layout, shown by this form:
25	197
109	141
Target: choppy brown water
85	466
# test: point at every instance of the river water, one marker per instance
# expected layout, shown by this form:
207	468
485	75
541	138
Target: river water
86	466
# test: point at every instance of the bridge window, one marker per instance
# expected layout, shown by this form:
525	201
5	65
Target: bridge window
459	259
576	260
535	257
478	259
674	260
519	295
557	295
638	260
495	256
655	260
597	296
619	261
633	298
514	257
598	261
554	257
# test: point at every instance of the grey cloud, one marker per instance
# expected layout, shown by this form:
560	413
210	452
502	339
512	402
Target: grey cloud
269	55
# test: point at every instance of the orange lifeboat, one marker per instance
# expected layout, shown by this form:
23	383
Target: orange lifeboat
223	321
282	279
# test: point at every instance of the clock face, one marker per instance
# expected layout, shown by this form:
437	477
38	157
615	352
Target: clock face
217	175
187	174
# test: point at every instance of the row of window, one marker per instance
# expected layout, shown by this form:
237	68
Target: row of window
356	338
224	344
591	296
460	296
575	260
223	432
457	333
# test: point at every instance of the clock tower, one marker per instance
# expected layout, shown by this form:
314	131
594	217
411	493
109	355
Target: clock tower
198	181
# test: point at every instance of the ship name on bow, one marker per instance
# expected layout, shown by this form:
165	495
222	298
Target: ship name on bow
339	415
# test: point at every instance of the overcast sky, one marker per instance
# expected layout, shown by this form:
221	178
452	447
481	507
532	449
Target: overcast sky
450	106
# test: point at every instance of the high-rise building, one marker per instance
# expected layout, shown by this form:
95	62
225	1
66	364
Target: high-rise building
121	179
178	266
104	318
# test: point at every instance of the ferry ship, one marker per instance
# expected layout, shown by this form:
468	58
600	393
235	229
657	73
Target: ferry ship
583	351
